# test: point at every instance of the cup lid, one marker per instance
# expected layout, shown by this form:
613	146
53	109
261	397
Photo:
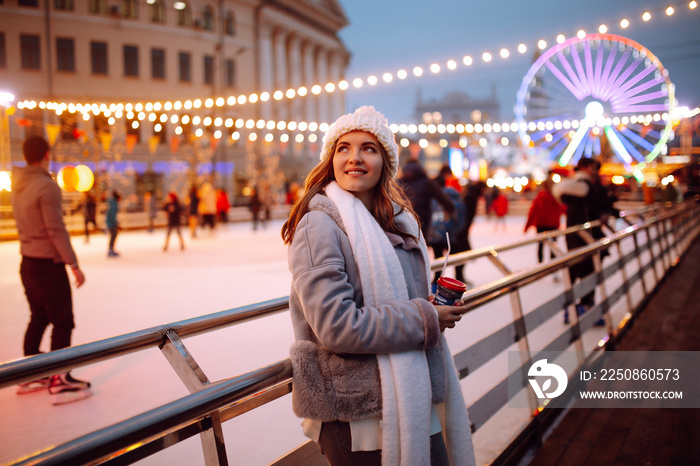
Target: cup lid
452	284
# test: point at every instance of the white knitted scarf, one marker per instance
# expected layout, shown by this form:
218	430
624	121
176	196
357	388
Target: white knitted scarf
406	393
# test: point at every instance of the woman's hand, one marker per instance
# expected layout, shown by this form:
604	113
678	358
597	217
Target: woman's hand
448	315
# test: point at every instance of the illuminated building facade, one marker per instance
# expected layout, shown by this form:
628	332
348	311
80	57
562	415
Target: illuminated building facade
185	89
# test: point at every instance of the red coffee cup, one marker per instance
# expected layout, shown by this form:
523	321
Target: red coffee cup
449	290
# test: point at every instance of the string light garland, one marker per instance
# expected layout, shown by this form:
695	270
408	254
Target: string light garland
416	71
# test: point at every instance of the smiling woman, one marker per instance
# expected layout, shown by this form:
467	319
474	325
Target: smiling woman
358	159
368	337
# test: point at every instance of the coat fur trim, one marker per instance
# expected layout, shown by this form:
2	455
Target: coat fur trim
330	386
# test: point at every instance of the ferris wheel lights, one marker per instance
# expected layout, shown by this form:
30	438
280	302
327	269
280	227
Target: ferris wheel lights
417	71
575	124
209	103
435	68
504	53
313	126
542	44
602	29
316	89
692	5
270	125
624	24
496	128
581	34
451	64
486	56
467	60
330	87
522	48
197	103
343	85
241	99
423	143
299	138
357	82
412	128
422	128
402	74
469	128
372	80
561	38
404	142
646	16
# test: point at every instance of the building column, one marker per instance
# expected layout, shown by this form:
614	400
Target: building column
281	77
310	107
266	69
322	75
296	105
335	100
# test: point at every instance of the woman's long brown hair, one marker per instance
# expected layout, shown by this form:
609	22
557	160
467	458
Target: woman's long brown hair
386	193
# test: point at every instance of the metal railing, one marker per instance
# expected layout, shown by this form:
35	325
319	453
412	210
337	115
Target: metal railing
658	237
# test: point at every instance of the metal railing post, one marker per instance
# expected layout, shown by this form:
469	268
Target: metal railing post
193	377
518	322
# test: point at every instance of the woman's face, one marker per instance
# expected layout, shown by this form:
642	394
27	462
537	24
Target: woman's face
357	164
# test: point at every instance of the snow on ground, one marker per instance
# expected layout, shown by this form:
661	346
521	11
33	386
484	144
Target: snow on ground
234	267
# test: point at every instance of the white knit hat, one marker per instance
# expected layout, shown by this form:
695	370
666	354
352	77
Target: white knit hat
365	118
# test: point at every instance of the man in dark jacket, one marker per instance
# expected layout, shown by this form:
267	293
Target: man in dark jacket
46	250
421	190
587	200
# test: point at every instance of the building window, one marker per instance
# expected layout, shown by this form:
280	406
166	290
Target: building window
185	66
69	123
65	54
65	5
133	127
208	69
230	24
230	73
208	18
158	11
28	2
31	55
158	63
130	8
98	57
183	14
131	60
160	127
3	52
101	123
98	6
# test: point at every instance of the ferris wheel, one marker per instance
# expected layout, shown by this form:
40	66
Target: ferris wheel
600	94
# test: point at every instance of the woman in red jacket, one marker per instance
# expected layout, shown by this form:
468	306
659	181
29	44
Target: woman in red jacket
545	214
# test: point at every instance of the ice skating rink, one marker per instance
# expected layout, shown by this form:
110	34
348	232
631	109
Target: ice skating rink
234	267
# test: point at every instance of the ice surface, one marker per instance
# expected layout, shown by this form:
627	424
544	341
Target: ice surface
147	287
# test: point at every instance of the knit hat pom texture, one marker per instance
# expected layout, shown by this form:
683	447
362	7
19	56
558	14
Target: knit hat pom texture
367	119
